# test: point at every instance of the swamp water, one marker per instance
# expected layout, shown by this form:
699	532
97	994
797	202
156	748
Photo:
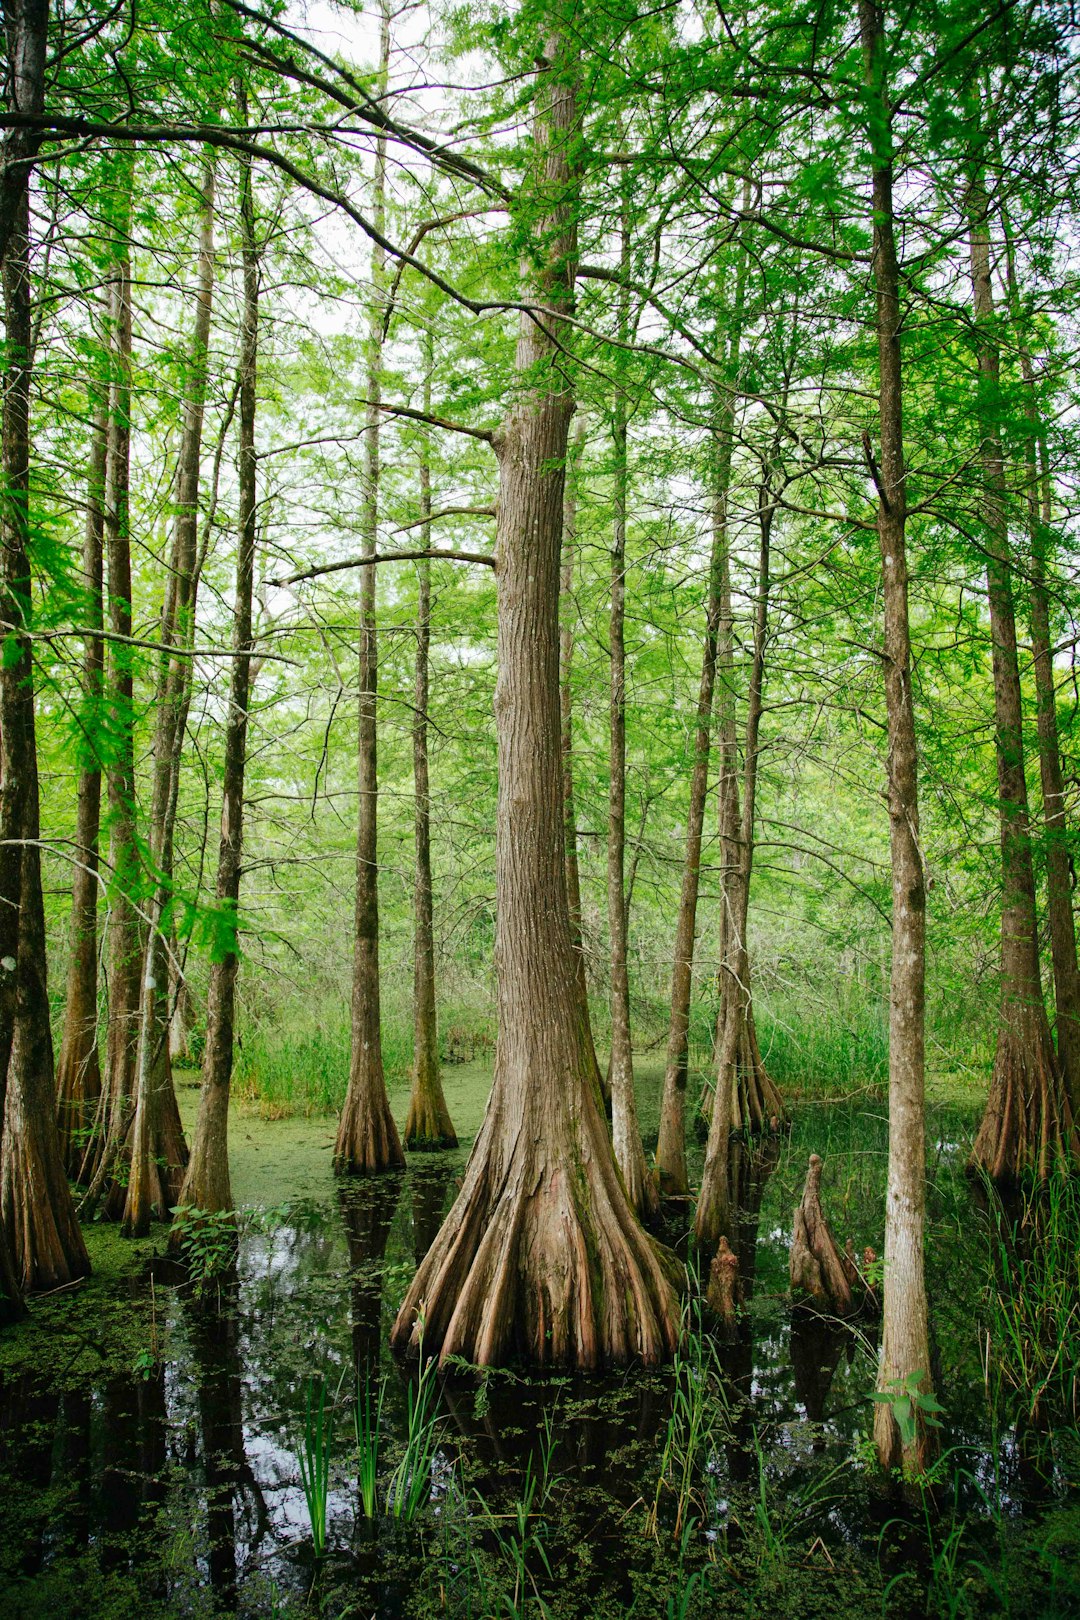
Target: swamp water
155	1437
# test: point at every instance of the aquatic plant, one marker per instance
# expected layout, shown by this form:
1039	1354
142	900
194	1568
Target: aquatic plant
314	1458
411	1481
367	1420
697	1406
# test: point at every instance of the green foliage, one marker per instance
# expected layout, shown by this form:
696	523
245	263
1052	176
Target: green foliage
911	1405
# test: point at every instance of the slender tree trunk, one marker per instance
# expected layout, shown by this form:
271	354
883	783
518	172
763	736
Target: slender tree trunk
107	1142
1028	1124
541	1253
42	1246
626	1134
671	1143
158	1150
1058	868
751	1101
428	1124
206	1182
367	1138
78	1076
905	1346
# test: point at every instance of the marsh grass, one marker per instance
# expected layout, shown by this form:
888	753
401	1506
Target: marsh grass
698	1414
313	1456
367	1428
410	1485
1033	1330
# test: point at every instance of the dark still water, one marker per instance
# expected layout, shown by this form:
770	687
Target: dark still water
157	1437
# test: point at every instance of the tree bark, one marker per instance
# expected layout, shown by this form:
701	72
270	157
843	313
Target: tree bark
428	1124
78	1075
671	1142
367	1138
113	1120
1040	515
626	1134
42	1246
1028	1126
750	1100
905	1347
159	1155
541	1253
206	1183
566	734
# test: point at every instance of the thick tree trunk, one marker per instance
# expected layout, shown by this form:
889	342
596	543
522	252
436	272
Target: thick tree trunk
567	613
42	1246
905	1346
428	1124
158	1151
541	1253
367	1138
1028	1126
78	1075
626	1134
206	1183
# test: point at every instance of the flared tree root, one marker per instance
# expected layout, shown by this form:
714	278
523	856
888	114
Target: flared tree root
1027	1129
756	1103
367	1139
543	1258
823	1278
428	1126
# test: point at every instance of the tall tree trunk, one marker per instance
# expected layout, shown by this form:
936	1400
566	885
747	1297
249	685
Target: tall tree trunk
42	1246
158	1151
78	1074
905	1344
671	1142
750	1100
206	1183
626	1134
115	1105
428	1124
367	1138
1028	1125
567	613
1040	515
541	1253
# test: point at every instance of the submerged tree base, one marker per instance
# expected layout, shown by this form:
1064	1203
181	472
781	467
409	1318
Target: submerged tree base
541	1257
428	1127
1028	1129
367	1139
